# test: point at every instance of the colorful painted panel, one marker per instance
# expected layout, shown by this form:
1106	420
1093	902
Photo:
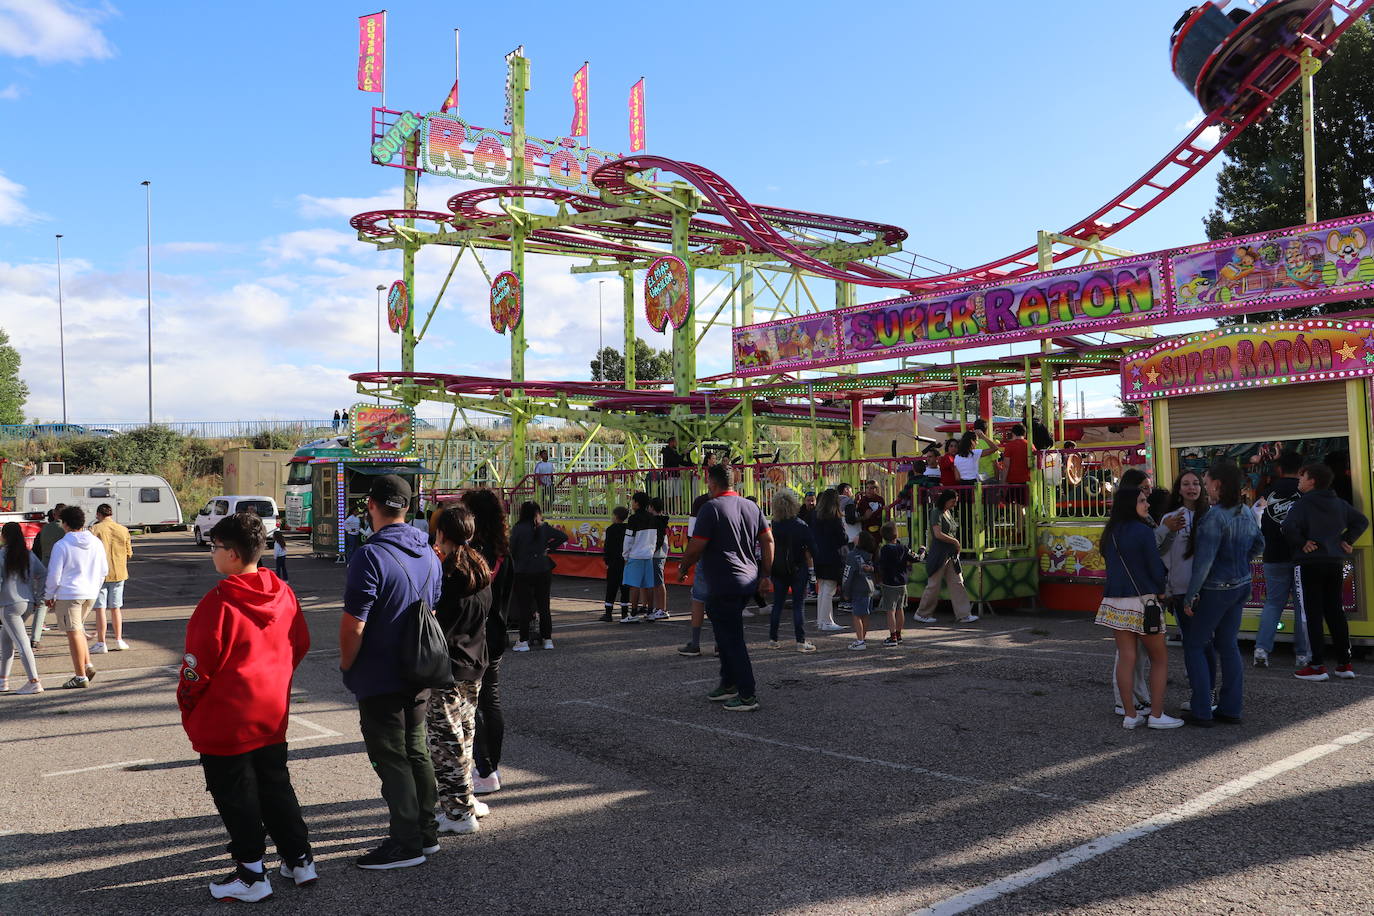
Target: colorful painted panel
505	301
588	535
385	430
397	306
1251	356
667	292
1070	552
450	146
790	343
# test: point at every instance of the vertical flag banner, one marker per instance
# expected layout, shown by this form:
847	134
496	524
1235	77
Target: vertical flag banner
451	103
579	94
371	51
637	116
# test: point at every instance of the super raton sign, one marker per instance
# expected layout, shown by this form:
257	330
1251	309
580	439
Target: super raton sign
1325	262
382	430
1251	356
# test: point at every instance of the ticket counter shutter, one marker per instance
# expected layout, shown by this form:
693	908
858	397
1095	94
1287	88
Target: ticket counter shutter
1280	412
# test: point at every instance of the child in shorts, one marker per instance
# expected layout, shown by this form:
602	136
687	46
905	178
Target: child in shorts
859	586
894	559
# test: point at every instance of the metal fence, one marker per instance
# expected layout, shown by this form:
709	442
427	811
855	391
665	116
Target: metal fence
213	429
1080	482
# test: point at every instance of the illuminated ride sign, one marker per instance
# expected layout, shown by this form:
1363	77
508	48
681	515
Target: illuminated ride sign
397	306
667	293
385	149
1251	356
382	431
505	301
450	146
1321	263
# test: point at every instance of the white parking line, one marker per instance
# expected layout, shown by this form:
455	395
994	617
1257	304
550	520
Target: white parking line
1103	845
103	766
322	731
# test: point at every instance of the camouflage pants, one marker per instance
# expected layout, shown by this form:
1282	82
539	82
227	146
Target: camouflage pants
451	721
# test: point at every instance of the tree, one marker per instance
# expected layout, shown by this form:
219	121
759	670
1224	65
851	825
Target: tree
13	391
609	365
1260	186
942	402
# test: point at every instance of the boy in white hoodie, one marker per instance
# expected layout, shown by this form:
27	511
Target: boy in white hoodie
76	570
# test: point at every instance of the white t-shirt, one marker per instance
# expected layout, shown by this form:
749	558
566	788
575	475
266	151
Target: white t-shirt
353	525
278	550
967	468
543	471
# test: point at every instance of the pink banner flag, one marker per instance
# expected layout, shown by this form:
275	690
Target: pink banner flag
637	116
579	94
372	52
452	101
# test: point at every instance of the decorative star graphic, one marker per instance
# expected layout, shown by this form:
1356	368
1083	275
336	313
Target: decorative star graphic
1347	352
1153	376
1135	371
1369	359
1135	386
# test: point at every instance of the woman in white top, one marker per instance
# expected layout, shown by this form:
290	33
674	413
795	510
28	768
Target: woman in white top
966	456
1174	535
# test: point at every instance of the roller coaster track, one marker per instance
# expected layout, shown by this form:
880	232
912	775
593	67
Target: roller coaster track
1275	73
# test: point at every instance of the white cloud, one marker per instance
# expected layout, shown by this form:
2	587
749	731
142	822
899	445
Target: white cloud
11	92
308	243
312	207
52	31
13	211
1189	124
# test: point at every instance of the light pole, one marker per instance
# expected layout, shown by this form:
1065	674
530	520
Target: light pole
61	332
380	287
148	187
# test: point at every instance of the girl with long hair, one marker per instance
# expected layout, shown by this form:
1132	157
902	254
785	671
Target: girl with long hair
1186	507
530	542
831	545
464	601
1226	540
942	562
21	586
493	540
1135	575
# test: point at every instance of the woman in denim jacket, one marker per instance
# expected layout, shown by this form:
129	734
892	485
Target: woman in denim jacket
1135	574
1225	540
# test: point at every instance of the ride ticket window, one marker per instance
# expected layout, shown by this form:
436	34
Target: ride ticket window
1259	461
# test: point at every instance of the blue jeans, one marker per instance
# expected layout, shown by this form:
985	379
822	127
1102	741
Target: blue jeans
1215	624
727	623
1175	606
1278	588
797	586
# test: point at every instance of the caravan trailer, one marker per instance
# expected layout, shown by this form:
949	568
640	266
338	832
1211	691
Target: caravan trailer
140	500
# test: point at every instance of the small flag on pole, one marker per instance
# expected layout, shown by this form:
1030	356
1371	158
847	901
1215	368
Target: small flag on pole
579	94
372	52
637	116
451	103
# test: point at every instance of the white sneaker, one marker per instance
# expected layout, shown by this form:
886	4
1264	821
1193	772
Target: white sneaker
1165	721
243	884
746	613
465	824
98	648
521	646
1129	722
119	645
485	785
1261	658
858	644
831	628
660	615
480	808
548	644
774	644
969	619
1141	709
30	687
919	619
805	647
303	872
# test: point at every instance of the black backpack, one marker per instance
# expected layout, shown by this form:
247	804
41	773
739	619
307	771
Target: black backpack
424	661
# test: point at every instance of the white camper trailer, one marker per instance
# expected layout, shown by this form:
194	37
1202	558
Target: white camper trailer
139	500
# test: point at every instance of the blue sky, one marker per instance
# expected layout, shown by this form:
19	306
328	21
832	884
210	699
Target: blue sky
971	129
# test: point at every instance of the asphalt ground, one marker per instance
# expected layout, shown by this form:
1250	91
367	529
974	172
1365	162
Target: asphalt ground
976	768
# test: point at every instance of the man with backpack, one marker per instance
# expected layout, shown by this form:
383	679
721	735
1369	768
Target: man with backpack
388	577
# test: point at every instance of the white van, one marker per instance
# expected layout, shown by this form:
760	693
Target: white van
139	500
265	507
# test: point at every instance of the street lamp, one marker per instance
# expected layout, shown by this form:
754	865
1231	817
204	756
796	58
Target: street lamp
61	333
380	287
148	187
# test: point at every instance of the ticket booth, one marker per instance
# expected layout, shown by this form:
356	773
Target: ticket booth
341	485
1251	392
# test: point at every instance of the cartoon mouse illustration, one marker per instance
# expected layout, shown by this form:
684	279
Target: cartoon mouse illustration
1347	249
1195	291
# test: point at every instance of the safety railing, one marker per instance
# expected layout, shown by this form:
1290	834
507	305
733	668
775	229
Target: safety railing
1080	482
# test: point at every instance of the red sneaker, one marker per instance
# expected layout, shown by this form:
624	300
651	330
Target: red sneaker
1312	673
1346	670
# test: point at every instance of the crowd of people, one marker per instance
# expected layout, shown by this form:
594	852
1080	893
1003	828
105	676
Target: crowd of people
1189	553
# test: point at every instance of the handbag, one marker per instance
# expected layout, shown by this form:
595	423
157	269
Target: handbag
1154	614
424	658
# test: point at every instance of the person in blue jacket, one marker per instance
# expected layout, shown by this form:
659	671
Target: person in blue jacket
1135	574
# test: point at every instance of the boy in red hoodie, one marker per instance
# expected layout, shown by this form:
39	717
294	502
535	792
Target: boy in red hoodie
243	644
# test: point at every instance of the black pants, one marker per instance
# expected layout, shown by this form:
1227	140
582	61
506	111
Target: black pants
530	592
1319	590
615	575
254	797
491	723
393	727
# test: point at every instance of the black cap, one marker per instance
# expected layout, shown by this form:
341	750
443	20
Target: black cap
391	491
